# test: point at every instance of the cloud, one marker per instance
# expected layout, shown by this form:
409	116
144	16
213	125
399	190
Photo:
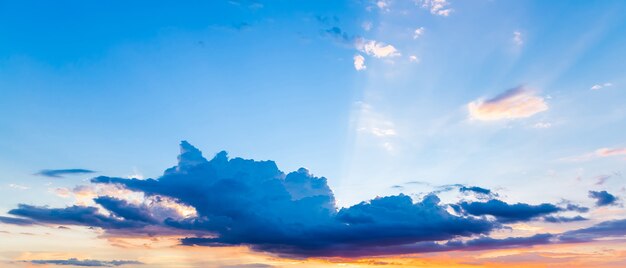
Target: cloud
602	152
240	202
59	173
374	123
515	103
603	198
614	228
517	38
252	203
600	86
436	7
78	215
414	58
338	34
16	221
601	179
418	32
87	263
383	5
475	189
248	265
19	187
376	49
508	213
560	219
605	152
123	209
359	63
542	125
577	208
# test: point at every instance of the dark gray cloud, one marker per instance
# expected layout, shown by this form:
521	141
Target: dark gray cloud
603	198
59	173
86	263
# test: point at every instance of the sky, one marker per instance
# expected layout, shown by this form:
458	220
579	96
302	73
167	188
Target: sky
357	133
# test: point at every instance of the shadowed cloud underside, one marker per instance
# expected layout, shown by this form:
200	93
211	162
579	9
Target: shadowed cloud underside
254	204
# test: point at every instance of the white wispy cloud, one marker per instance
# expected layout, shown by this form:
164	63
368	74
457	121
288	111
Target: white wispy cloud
436	7
376	49
359	62
375	125
542	125
19	187
600	86
414	58
418	32
604	152
515	103
517	38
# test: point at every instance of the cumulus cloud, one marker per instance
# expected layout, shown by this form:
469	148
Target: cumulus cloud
86	263
59	173
515	103
418	32
436	7
414	58
376	49
603	198
240	202
359	62
600	86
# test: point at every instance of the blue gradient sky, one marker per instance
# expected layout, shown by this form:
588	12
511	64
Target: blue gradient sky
115	86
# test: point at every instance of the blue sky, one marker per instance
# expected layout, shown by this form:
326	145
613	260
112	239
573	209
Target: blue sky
114	87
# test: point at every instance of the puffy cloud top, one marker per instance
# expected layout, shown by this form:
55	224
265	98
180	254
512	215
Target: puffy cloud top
252	203
603	198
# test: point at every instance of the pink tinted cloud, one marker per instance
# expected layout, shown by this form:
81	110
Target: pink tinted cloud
515	103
